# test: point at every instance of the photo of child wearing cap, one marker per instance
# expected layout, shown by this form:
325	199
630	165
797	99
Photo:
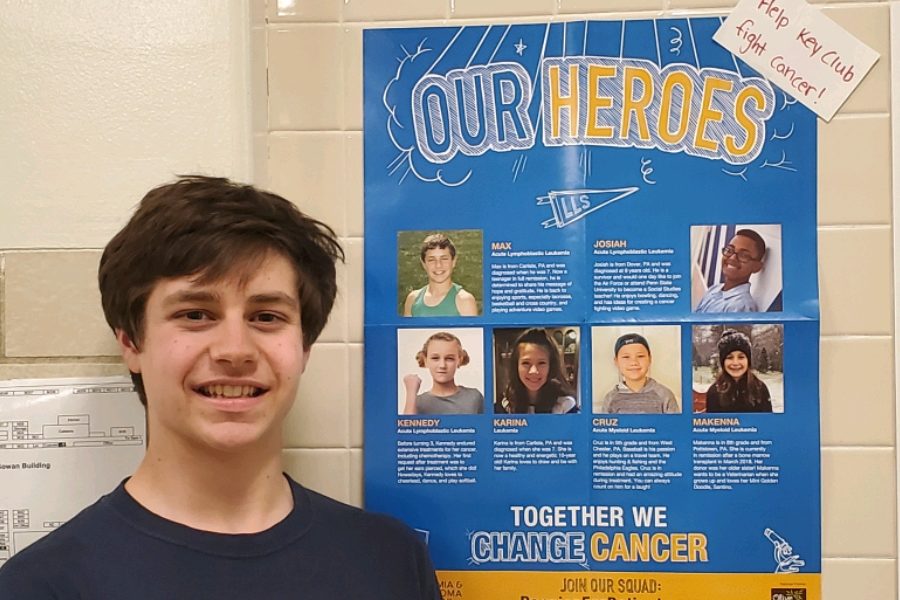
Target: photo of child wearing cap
737	389
636	392
738	368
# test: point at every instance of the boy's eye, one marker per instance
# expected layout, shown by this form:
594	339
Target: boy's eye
194	315
267	317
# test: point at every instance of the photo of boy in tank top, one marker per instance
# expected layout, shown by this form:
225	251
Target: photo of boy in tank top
441	296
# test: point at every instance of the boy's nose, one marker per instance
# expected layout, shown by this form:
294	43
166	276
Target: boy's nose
233	345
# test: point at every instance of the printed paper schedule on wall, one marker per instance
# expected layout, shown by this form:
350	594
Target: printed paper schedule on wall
591	311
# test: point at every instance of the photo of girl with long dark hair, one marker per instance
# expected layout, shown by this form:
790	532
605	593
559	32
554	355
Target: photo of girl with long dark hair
737	388
536	381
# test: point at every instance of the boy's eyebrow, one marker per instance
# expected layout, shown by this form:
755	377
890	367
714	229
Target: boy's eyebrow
187	296
206	296
275	298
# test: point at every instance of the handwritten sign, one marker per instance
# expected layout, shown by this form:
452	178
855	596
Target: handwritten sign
798	49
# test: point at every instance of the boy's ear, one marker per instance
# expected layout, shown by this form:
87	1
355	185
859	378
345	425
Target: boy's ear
130	351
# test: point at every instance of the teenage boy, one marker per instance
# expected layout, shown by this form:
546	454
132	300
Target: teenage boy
216	293
441	297
741	258
637	392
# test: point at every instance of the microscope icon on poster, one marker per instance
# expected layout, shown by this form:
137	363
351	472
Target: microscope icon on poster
785	559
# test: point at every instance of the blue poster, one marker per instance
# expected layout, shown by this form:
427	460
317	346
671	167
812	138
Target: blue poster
591	312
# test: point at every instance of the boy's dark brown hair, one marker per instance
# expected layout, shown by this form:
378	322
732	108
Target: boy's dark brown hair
212	228
436	240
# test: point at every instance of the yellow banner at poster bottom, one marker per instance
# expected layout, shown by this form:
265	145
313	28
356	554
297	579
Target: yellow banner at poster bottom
598	585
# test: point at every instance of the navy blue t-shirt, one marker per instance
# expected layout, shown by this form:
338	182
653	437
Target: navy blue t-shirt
117	549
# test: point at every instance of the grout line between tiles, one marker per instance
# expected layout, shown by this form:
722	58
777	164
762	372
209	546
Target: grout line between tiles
859	558
862	558
858	116
854	227
856	336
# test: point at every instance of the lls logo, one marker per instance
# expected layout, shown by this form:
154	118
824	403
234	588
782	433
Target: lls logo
788	594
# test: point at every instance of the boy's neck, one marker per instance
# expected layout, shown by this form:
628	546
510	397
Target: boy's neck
441	288
729	284
444	389
236	492
636	386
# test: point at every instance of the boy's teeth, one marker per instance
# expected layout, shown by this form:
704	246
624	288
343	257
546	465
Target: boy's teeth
230	391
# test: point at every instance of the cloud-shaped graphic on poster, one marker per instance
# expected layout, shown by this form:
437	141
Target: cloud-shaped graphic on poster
400	127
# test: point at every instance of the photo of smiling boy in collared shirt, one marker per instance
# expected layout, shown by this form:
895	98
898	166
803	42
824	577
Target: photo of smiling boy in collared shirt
736	268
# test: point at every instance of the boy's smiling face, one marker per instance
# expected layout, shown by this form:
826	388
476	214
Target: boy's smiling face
221	361
439	264
633	363
744	260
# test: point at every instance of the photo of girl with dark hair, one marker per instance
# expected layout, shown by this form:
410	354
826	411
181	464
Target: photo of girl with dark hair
536	381
737	388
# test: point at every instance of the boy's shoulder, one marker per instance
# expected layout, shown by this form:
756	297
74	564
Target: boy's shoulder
59	555
658	388
348	523
94	553
736	299
343	534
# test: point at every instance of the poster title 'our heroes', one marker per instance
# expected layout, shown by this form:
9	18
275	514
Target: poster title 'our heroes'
710	113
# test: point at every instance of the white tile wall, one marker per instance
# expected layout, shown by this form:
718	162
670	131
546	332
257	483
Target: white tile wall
396	10
856	186
305	80
321	414
52	305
